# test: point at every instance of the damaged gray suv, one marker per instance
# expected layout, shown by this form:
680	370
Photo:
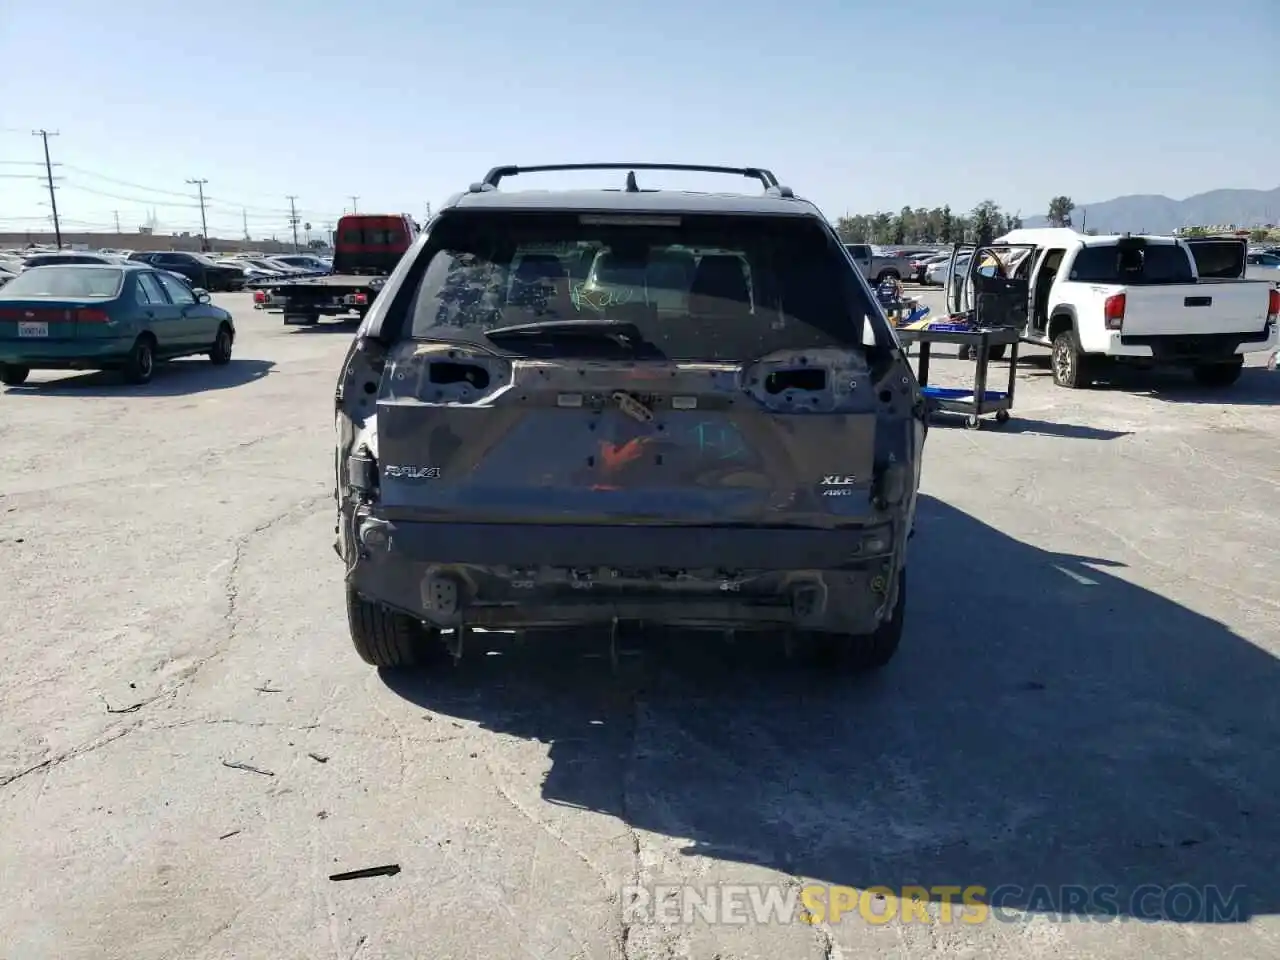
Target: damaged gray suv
602	407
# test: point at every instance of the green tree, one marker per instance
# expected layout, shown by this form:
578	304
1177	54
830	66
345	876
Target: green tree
947	226
881	229
985	221
1060	211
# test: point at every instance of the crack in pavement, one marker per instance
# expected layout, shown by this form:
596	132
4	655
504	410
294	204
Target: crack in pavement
61	758
231	618
624	809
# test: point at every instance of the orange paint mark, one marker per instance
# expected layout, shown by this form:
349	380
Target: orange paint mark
614	457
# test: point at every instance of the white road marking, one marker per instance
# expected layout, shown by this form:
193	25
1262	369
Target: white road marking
1077	577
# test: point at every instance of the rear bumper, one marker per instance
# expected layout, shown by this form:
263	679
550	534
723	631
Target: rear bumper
1194	348
64	354
518	575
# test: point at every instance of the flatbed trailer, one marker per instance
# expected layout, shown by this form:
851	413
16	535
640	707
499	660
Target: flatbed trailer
304	300
366	249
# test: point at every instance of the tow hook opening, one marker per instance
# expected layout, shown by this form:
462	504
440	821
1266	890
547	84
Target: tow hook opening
808	601
442	595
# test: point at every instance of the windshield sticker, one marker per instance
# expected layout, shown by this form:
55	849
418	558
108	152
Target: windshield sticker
599	300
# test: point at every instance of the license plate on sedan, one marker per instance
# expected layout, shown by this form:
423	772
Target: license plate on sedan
30	328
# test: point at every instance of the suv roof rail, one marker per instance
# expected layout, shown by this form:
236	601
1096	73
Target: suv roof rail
766	177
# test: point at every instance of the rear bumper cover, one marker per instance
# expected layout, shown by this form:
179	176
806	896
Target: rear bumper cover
64	354
1192	348
494	575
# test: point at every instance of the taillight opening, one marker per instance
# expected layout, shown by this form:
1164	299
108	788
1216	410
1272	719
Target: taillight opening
92	315
1113	311
259	296
1273	304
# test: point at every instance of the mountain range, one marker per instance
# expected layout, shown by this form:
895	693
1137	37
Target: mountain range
1155	214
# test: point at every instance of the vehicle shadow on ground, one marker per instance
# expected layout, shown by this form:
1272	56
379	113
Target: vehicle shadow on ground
330	326
173	379
1045	723
1026	425
1257	386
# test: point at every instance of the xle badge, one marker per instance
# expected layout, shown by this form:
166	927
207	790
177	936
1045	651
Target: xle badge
838	486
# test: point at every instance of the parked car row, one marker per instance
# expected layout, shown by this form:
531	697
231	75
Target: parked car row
209	272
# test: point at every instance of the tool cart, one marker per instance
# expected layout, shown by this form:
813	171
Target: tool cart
986	314
979	402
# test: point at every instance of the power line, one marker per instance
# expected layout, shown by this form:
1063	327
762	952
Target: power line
44	136
209	201
204	224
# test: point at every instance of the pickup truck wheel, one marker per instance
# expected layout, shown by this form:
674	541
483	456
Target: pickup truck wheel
1070	365
11	374
387	638
860	653
1218	374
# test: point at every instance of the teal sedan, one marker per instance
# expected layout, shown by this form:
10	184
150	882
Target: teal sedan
106	317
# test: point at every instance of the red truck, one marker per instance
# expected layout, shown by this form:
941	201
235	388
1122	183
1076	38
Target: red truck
367	247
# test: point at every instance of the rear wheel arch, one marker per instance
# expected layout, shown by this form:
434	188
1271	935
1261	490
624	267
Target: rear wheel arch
1062	318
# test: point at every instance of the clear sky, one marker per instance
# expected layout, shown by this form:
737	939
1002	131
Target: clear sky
858	105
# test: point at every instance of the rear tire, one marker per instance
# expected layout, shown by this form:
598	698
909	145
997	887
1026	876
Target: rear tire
1218	375
861	653
1070	365
387	638
12	374
140	365
220	355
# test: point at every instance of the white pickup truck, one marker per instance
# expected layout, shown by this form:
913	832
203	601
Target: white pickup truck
1146	301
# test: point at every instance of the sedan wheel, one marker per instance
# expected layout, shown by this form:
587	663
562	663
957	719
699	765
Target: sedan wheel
140	366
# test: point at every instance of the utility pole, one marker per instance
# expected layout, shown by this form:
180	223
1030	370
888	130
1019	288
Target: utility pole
293	219
44	135
244	219
204	224
354	209
116	214
428	214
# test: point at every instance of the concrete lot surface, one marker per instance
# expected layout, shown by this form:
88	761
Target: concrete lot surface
1087	694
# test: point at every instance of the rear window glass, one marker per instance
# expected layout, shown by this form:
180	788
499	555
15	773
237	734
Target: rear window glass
1152	263
372	236
1219	259
705	287
62	259
64	281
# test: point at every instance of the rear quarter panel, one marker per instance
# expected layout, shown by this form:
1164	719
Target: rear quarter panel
1086	301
